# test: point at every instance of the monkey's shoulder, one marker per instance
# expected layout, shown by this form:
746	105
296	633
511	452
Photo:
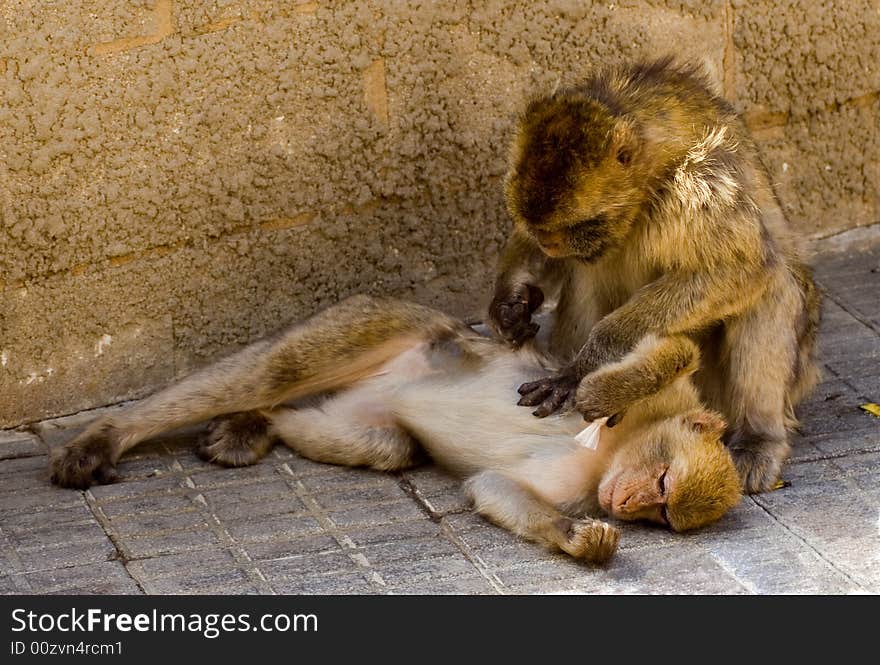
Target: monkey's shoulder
710	177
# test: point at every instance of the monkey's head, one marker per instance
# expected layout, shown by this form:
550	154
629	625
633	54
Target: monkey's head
676	472
574	180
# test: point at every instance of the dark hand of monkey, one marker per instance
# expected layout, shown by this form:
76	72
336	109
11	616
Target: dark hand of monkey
510	313
551	394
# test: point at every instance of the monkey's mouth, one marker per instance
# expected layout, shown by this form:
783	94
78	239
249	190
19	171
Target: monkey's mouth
552	242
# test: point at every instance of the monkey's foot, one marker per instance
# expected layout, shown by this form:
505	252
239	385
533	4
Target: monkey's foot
239	439
589	539
759	465
85	461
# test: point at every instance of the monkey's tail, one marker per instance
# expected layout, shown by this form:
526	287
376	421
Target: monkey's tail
806	373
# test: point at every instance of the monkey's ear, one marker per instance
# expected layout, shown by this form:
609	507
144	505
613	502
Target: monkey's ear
705	421
624	142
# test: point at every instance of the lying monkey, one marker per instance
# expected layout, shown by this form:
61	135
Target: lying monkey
373	382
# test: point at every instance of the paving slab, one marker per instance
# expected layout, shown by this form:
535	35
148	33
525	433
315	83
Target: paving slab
178	525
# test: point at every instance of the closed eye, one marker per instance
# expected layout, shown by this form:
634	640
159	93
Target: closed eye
662	482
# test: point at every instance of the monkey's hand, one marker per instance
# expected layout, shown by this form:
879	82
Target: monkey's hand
510	314
588	539
86	460
653	364
550	394
601	395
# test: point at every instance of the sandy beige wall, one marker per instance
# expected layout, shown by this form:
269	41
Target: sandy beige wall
178	178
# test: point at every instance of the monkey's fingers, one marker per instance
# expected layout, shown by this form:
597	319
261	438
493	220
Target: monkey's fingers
512	311
510	314
531	386
535	397
520	334
536	297
557	399
606	546
535	392
517	332
530	330
549	394
591	540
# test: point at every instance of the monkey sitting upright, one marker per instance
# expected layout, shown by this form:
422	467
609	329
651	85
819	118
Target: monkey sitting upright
640	201
373	382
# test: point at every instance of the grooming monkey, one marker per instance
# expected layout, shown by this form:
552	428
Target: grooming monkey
640	202
375	382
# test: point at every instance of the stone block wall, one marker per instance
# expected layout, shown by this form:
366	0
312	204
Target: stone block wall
178	178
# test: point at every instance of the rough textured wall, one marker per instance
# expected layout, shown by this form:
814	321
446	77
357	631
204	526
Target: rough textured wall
178	178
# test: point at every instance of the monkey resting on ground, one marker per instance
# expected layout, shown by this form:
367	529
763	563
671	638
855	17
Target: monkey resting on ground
373	382
639	201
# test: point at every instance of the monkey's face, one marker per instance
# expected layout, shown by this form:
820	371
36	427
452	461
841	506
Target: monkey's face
676	473
572	184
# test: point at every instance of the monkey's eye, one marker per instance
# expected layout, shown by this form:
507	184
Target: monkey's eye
624	157
664	511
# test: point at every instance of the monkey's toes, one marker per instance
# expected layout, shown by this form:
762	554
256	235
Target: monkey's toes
591	540
241	439
79	466
759	468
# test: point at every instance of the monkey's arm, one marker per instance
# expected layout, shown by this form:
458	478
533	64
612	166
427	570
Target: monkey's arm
504	501
525	276
655	363
674	304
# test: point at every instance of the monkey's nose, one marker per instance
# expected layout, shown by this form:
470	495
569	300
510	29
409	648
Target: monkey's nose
638	501
551	242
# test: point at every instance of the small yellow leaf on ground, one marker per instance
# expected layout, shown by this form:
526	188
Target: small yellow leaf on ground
871	408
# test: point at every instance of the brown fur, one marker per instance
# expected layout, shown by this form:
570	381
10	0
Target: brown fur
382	393
640	199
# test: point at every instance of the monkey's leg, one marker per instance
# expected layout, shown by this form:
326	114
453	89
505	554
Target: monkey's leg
644	371
323	436
332	349
761	352
504	501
